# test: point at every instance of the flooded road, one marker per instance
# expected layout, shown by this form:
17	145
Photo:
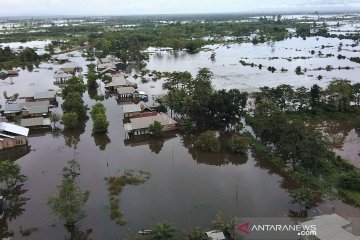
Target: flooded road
186	187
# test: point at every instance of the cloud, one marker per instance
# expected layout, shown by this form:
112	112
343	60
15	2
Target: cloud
124	7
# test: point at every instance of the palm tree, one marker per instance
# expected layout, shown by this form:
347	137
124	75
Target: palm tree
163	231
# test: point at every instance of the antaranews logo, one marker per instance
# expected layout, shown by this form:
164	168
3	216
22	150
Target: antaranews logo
274	228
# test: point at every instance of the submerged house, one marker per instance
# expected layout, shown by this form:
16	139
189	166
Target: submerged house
125	92
45	96
38	122
109	63
12	135
118	82
69	67
140	126
13	72
137	110
61	77
130	110
27	109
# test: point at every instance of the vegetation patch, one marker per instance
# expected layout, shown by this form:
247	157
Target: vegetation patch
116	184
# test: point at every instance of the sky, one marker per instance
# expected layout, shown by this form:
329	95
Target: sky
134	7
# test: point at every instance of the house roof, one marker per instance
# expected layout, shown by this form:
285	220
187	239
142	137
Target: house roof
12	128
216	235
17	107
44	95
111	65
120	81
331	227
38	109
143	106
14	107
31	122
125	90
131	108
144	122
61	74
69	65
108	69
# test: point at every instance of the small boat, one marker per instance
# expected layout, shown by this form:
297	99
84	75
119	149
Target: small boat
144	232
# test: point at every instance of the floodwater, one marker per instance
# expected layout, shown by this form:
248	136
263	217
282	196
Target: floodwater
343	139
186	187
229	73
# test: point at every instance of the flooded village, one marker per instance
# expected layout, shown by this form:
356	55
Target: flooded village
135	160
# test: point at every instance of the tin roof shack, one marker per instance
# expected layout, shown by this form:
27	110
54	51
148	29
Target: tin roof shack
330	227
130	110
107	63
12	135
119	82
27	109
69	67
12	73
125	92
140	126
36	123
43	96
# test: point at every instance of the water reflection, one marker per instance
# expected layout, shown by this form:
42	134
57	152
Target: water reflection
13	193
101	140
224	157
155	145
72	137
69	201
76	233
14	154
343	138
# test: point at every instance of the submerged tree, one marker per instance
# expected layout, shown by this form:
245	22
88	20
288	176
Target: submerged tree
302	196
163	231
67	204
156	129
10	99
208	142
13	180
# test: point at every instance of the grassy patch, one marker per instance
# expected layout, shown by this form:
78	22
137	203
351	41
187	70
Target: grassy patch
116	184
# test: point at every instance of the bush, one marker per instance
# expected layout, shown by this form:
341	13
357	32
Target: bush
303	196
98	108
350	181
101	123
208	142
238	144
156	129
70	120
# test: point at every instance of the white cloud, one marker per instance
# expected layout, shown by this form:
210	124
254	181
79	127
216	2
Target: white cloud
121	7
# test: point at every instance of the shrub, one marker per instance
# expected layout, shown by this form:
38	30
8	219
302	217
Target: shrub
70	120
156	129
238	144
350	181
208	142
101	123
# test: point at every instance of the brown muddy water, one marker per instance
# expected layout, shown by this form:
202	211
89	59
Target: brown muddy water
343	139
186	187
